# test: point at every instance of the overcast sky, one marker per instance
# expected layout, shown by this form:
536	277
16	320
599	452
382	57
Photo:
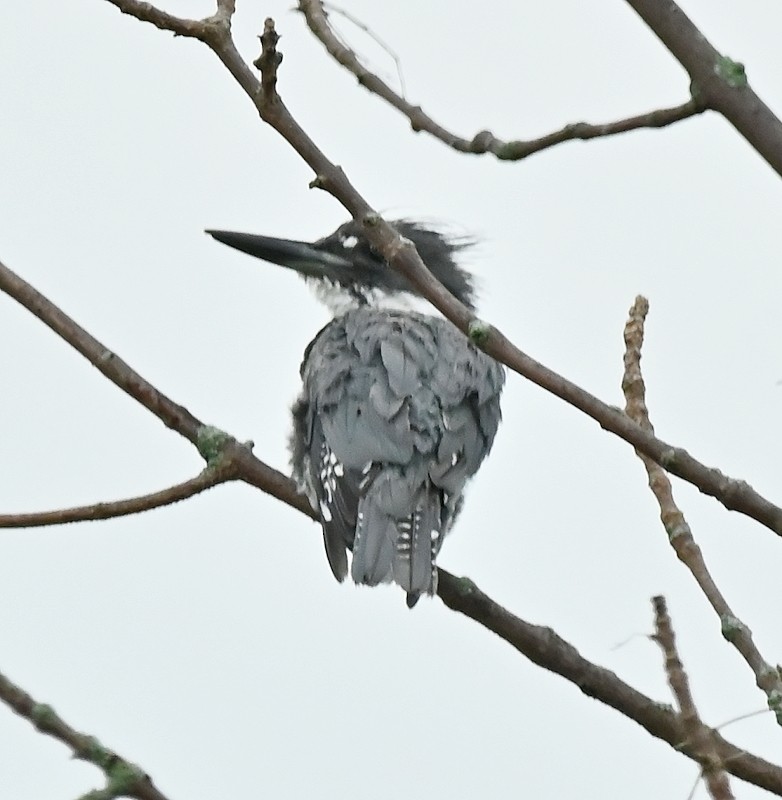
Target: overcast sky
208	642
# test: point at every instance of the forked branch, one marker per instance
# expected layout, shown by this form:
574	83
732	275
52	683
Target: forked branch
219	450
544	647
484	141
717	83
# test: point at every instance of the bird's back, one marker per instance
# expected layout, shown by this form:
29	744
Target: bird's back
396	413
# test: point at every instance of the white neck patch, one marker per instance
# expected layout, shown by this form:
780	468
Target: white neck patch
339	300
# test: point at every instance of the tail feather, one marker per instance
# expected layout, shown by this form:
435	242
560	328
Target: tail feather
413	552
373	545
391	546
393	543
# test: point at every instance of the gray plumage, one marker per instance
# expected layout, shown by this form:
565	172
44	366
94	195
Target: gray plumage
397	410
396	413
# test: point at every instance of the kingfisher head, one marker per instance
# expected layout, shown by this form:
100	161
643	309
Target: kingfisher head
347	272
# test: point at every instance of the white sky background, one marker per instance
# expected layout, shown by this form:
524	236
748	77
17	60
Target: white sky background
208	642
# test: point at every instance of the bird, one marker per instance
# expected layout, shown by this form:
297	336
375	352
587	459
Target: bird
398	408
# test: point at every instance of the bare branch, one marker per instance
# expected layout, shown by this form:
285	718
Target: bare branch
545	648
707	755
123	779
210	477
216	447
146	12
678	530
517	149
719	82
484	141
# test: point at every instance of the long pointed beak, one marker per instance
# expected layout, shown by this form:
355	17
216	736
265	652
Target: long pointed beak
302	257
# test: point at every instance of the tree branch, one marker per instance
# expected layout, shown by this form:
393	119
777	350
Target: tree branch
123	779
146	12
484	141
679	532
713	769
217	448
545	648
210	477
719	82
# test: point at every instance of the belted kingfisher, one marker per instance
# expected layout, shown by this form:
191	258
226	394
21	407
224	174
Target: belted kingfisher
397	410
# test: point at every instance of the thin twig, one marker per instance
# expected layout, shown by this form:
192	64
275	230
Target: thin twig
676	526
121	508
697	734
332	9
740	718
123	779
484	141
